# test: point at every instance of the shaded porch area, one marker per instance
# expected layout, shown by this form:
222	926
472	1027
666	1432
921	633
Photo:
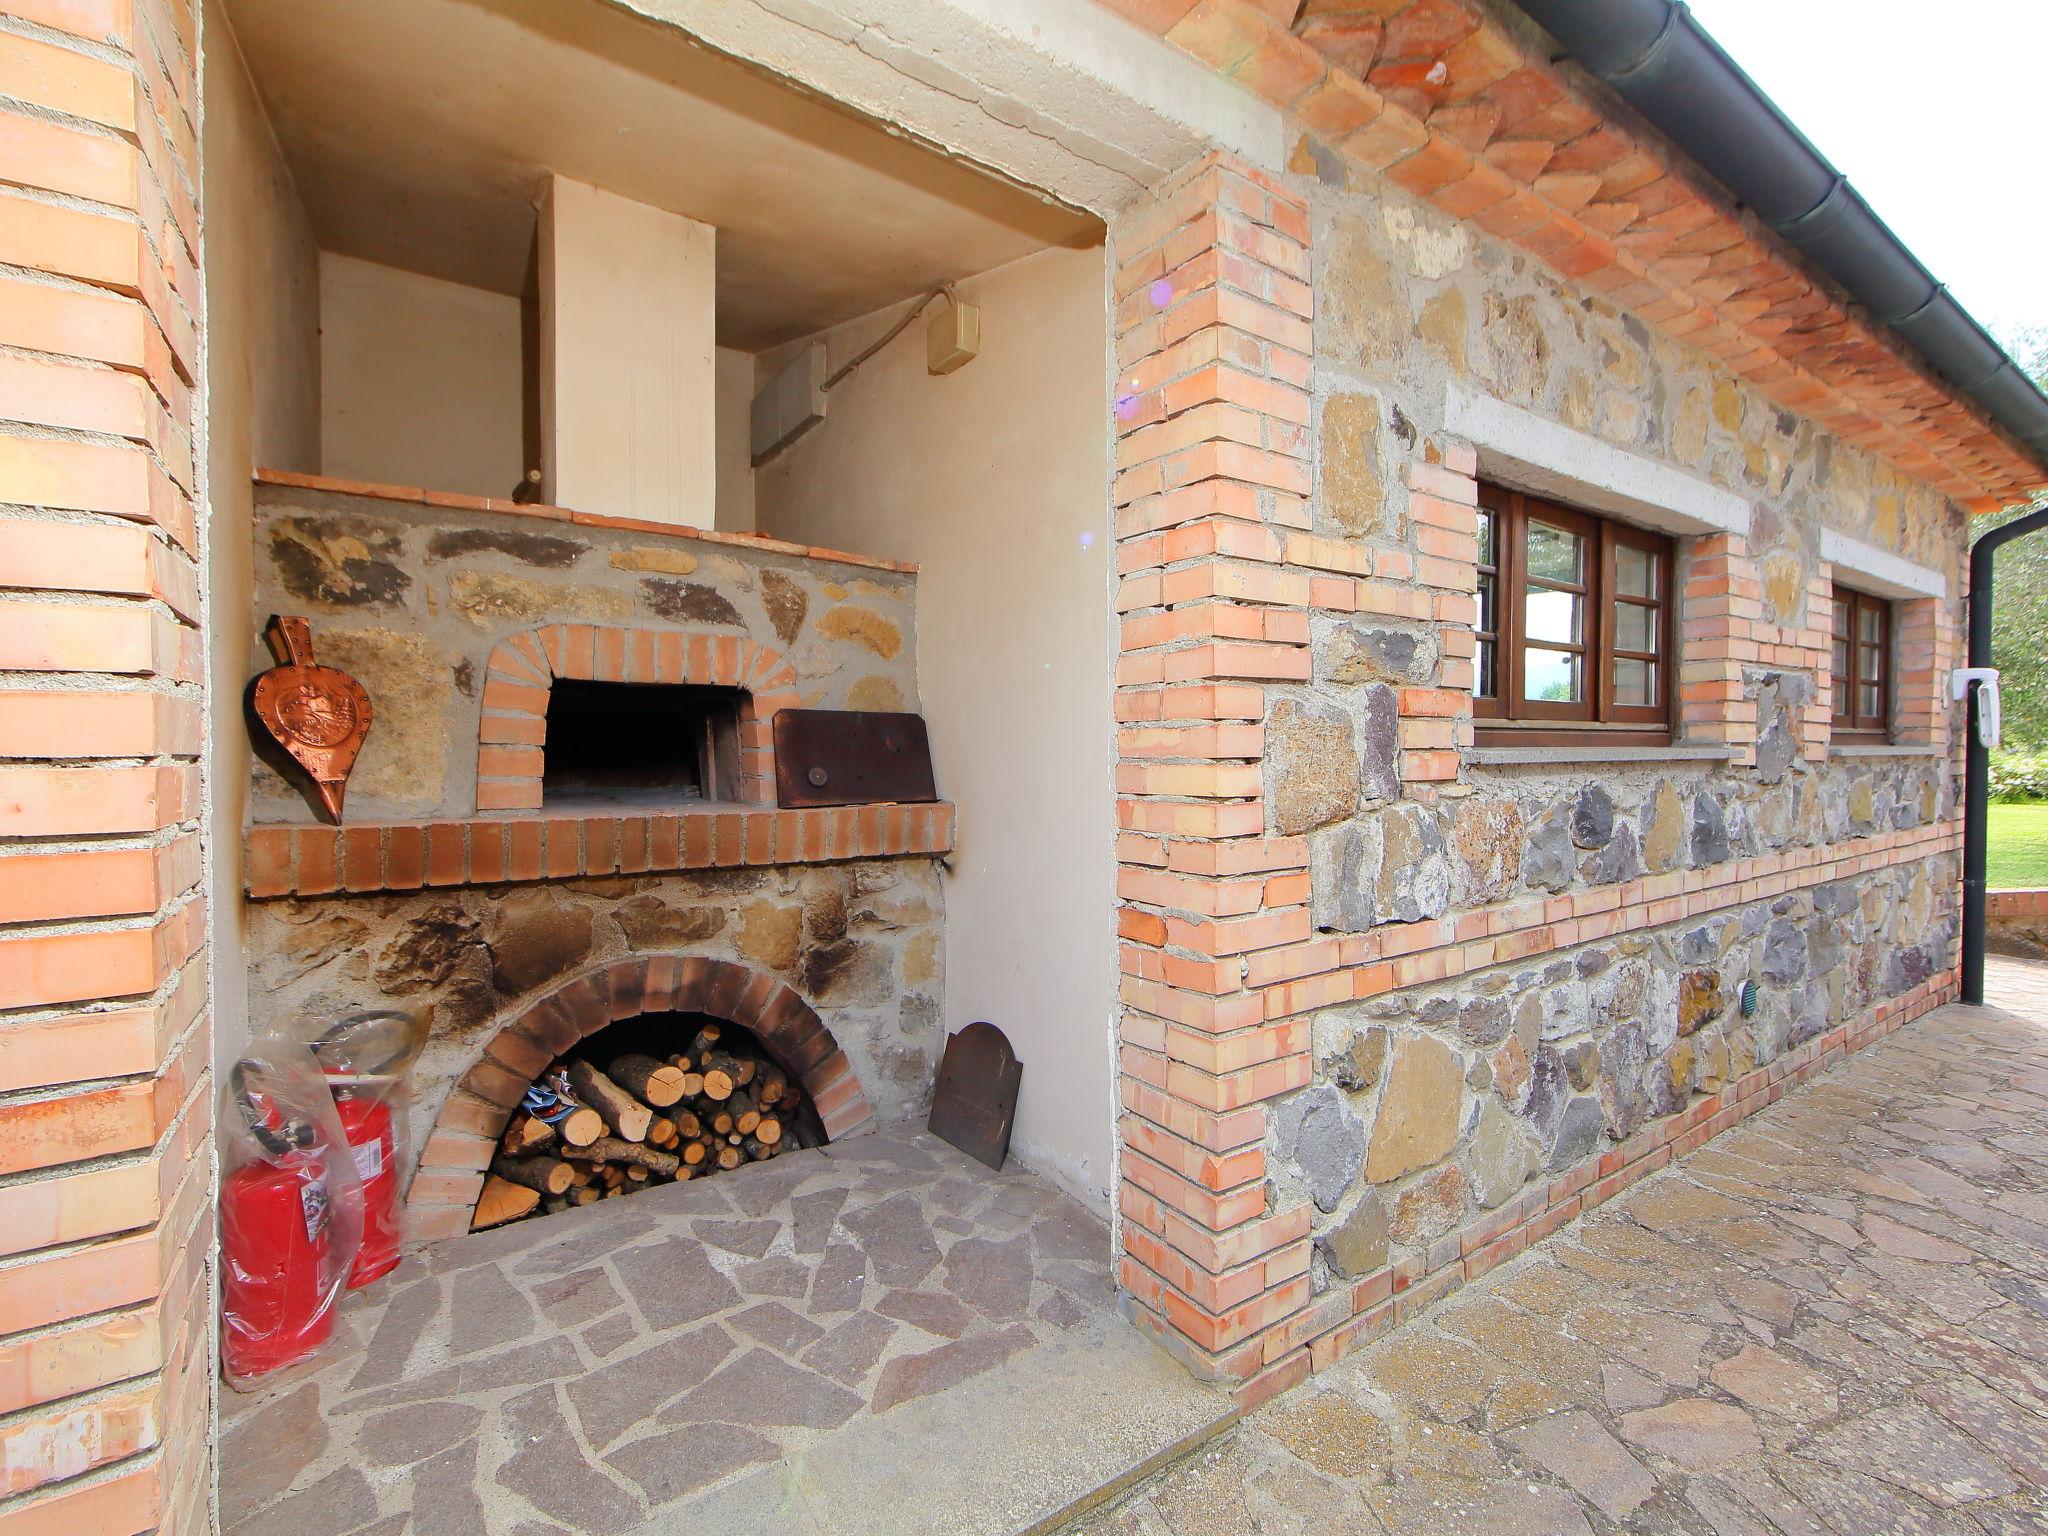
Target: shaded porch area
875	1336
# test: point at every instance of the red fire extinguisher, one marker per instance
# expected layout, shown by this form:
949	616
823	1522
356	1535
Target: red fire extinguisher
366	1123
366	1057
276	1219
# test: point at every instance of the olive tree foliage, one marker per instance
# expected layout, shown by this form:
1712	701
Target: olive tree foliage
2019	610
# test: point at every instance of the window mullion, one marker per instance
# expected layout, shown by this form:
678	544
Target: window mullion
1600	631
1510	557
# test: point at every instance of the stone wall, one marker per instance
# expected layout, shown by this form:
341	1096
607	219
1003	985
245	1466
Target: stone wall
411	598
1432	1105
1394	1004
860	941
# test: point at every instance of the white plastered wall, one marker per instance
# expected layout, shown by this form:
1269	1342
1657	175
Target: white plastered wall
261	406
994	479
421	381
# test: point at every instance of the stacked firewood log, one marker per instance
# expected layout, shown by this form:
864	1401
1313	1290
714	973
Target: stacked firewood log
588	1132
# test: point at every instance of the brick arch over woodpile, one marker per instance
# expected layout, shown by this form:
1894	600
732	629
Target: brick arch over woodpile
459	1148
512	735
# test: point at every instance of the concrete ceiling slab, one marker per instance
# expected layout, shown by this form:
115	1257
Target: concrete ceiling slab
419	133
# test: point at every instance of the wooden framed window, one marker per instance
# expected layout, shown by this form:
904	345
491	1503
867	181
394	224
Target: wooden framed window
1862	666
1574	627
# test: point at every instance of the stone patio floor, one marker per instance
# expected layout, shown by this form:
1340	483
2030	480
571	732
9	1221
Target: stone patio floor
834	1341
1830	1321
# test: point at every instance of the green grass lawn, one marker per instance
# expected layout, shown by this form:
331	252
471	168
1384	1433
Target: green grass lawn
2018	853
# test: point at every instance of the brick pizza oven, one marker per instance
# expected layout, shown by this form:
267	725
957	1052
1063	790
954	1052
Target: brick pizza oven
562	840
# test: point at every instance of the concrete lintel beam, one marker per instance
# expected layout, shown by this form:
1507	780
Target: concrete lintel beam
1059	95
1547	458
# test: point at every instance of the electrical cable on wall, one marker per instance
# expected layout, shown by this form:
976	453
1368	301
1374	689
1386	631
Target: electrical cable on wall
793	402
943	291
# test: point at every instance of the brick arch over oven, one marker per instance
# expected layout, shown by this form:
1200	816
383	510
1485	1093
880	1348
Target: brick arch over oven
458	1149
512	737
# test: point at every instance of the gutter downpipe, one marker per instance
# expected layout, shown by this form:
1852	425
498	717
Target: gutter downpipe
1977	770
1660	60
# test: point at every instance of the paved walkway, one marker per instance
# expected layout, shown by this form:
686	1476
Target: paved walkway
1832	1321
827	1344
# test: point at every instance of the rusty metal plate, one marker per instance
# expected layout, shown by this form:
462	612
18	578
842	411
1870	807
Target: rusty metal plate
975	1103
319	715
851	757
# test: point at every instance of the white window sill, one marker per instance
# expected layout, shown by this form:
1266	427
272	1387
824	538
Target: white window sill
1875	749
1593	752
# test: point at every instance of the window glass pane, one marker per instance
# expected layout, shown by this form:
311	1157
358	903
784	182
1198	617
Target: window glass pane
1635	682
1487	604
1552	676
1873	663
1869	700
1484	666
1869	625
1635	627
1635	571
1841	662
1486	538
1552	616
1553	553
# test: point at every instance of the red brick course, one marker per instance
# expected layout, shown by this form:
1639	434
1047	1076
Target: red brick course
105	1084
489	850
2032	903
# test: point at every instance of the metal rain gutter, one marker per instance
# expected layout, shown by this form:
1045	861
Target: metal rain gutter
1662	62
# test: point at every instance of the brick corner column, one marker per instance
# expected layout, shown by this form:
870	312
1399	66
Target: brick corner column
1213	323
1925	649
1817	722
106	1354
1721	608
1443	520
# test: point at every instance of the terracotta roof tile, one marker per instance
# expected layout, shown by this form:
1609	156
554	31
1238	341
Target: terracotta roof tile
1418	88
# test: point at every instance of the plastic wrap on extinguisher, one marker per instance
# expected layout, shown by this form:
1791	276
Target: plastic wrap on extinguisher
291	1211
368	1059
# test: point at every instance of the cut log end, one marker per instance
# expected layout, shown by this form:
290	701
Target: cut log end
502	1201
548	1175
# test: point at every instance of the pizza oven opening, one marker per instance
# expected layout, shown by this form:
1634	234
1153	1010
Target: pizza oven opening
640	743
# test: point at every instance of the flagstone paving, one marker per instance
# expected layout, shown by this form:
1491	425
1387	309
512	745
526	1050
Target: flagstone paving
1831	1321
587	1371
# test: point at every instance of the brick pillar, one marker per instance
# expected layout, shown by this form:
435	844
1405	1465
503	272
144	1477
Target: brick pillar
1721	607
1925	649
1213	341
1817	723
1436	721
105	1091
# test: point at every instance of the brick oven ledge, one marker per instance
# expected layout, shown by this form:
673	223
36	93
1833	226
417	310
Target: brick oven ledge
413	493
491	850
